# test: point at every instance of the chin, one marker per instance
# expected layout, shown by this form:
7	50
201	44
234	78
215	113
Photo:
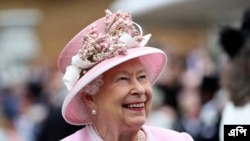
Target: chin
137	122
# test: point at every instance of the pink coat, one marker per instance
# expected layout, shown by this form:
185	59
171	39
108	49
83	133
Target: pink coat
152	134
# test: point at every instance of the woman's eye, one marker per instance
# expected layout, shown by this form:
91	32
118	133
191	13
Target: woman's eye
122	78
142	77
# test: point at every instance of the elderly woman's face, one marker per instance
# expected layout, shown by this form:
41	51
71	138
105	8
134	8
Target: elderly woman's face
126	95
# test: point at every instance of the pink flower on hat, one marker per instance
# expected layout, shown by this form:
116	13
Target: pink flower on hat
120	34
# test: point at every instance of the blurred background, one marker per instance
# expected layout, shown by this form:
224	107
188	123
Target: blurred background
188	95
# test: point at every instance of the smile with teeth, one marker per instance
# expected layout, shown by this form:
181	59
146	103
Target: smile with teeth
134	106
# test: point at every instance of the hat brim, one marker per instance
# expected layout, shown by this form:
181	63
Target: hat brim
74	109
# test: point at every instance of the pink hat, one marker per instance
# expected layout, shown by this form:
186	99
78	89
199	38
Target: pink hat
97	48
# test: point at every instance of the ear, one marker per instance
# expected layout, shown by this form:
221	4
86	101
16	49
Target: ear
89	100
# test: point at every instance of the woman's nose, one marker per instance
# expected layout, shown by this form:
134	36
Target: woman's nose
137	87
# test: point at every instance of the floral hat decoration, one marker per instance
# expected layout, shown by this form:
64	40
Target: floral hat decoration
97	48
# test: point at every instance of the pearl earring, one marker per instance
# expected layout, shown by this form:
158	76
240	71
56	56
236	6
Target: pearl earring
93	112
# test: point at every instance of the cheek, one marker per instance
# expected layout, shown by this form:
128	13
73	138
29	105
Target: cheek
149	94
110	99
108	107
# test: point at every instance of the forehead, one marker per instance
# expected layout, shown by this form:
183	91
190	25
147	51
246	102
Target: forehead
131	65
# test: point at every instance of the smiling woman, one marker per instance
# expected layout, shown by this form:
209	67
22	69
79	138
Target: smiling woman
109	73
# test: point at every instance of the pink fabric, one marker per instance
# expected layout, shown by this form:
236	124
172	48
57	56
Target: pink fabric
152	134
161	134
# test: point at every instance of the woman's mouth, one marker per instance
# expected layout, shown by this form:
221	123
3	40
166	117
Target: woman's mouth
134	106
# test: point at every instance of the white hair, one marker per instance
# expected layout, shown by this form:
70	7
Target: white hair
93	87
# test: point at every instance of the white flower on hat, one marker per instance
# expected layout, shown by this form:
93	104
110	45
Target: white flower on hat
73	71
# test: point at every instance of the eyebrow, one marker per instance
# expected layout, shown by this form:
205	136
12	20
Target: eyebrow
127	72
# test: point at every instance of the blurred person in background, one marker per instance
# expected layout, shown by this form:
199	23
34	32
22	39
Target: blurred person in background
54	123
109	73
41	104
189	105
170	81
198	104
210	112
30	108
9	112
236	73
